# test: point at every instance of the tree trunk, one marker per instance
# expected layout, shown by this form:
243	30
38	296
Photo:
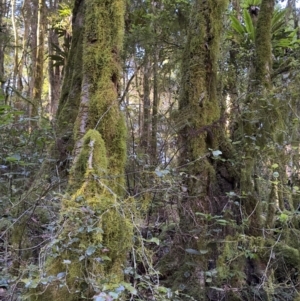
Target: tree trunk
2	44
96	181
155	107
54	72
16	44
145	138
39	67
206	178
257	131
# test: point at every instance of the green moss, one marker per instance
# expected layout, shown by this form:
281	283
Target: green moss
102	44
70	94
263	44
231	263
297	298
290	255
81	170
96	233
271	207
200	133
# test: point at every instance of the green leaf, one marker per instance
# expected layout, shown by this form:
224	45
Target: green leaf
162	289
237	26
90	250
29	283
121	288
161	173
249	24
89	229
203	251
222	221
13	158
61	275
44	281
81	257
278	20
283	217
114	295
105	258
193	251
130	288
153	239
217	288
231	193
66	261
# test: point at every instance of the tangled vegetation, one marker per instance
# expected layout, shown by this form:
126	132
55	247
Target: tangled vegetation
150	150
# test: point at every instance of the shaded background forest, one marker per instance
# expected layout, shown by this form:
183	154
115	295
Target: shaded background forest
149	150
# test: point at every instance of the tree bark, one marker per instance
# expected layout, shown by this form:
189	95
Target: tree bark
54	72
39	67
96	179
206	179
145	138
256	126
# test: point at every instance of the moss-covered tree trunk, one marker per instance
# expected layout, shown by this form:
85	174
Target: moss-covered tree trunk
207	172
145	137
86	256
257	126
27	238
54	71
248	259
38	72
96	234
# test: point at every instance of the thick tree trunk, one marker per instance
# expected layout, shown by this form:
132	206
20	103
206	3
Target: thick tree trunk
89	112
206	178
257	130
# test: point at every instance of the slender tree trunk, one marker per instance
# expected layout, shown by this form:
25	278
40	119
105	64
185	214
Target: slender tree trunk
2	76
25	15
54	72
155	108
155	105
39	67
54	75
33	44
16	44
145	138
